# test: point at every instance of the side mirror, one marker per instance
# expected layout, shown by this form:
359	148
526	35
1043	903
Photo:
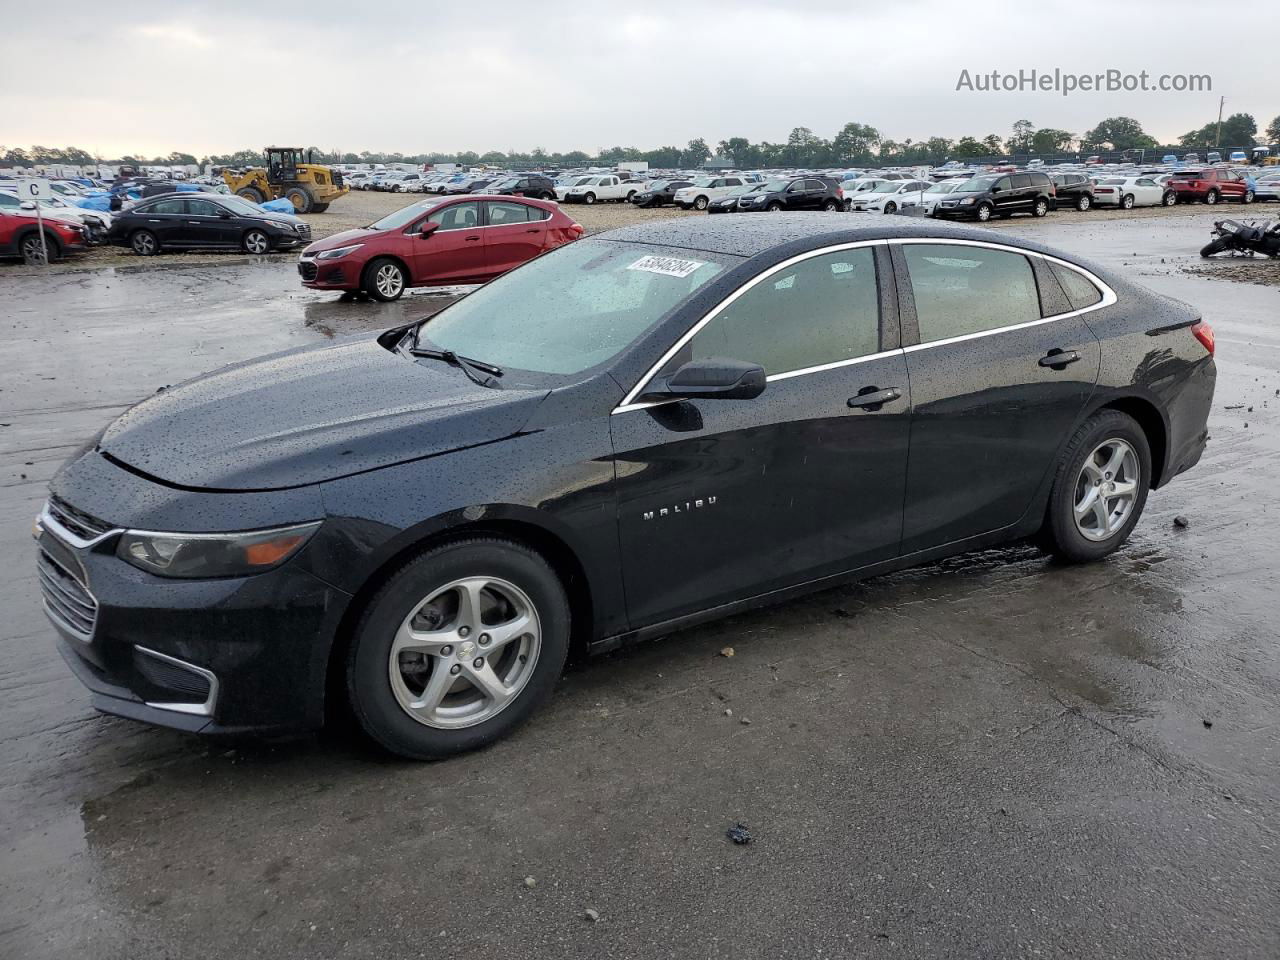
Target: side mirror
995	188
224	214
426	228
716	378
28	205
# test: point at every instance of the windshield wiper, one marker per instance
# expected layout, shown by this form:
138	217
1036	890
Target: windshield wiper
476	370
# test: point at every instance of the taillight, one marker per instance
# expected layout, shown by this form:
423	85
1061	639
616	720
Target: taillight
840	192
1204	333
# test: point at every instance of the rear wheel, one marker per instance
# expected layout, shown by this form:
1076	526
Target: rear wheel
1084	202
1211	197
548	195
256	242
1248	196
1217	246
1170	199
1127	201
301	199
831	206
1099	489
252	194
385	280
1040	208
984	212
458	648
144	243
701	203
890	207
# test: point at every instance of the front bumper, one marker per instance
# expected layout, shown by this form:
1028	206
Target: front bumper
341	274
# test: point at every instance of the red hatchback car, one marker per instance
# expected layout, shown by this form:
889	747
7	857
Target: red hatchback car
437	242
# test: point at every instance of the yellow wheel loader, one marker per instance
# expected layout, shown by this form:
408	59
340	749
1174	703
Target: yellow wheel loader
310	187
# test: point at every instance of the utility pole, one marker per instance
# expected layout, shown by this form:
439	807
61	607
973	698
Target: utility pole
1217	133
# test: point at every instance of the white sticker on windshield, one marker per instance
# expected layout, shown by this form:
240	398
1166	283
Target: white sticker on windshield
668	266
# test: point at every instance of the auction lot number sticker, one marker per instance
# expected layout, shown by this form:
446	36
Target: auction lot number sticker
668	266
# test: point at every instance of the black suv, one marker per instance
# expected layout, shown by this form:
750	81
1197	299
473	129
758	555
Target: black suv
804	193
1000	195
660	193
1073	190
525	185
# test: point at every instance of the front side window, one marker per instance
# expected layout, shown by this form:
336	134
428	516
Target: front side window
960	290
573	308
458	216
821	310
201	208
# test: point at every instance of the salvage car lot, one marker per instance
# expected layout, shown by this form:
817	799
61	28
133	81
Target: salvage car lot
991	757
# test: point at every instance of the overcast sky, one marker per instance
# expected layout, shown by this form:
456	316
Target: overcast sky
413	77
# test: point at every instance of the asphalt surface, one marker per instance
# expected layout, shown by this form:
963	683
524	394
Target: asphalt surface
990	757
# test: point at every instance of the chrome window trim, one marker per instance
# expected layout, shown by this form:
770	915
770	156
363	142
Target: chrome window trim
629	401
204	709
1109	298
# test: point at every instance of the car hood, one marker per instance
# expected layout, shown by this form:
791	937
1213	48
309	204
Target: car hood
309	415
343	239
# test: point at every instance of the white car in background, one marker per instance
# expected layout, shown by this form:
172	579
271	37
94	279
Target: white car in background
850	188
891	196
565	184
706	189
1129	192
929	199
603	187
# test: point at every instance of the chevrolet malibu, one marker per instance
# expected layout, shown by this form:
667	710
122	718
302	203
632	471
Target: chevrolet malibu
634	433
436	242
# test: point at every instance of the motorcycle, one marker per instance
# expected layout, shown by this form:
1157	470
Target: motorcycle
1244	238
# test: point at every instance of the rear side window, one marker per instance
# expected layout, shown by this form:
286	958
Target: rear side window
1021	180
167	206
1080	290
821	310
502	214
960	290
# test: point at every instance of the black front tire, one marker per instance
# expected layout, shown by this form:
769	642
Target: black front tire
1059	535
33	255
1216	246
368	685
144	243
984	211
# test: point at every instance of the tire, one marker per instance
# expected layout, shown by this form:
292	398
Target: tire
1170	199
890	207
588	198
1217	246
385	280
144	243
831	206
1040	208
547	195
983	213
1211	197
427	594
1089	465
256	242
1127	201
701	203
301	198
319	207
774	208
252	194
1084	202
33	255
630	194
1248	196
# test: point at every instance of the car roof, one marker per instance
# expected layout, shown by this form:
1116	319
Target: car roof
749	235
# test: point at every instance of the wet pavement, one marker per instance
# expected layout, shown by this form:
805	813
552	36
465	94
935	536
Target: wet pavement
993	756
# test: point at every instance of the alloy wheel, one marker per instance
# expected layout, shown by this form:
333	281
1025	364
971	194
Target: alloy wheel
1106	489
31	250
256	242
465	652
144	244
389	281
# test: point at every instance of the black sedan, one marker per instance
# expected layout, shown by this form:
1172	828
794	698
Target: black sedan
633	433
659	193
203	221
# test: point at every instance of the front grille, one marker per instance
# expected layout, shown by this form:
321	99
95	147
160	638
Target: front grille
83	525
307	269
174	682
66	598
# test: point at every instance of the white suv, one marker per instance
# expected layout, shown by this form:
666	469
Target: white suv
706	189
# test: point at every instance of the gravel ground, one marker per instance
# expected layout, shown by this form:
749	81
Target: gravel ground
360	208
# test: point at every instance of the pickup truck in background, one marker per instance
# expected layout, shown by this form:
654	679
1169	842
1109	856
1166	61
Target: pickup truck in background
604	187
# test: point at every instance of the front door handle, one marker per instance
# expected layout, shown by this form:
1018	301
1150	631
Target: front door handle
873	398
471	239
1057	358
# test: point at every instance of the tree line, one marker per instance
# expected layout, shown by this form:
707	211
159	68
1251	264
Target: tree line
853	144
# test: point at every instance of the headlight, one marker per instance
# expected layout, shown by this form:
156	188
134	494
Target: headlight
966	201
340	252
206	555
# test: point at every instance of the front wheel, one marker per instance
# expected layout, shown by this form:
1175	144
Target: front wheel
1084	202
1217	246
1211	197
1248	196
256	242
1099	489
458	648
774	208
984	212
588	198
301	199
385	280
144	243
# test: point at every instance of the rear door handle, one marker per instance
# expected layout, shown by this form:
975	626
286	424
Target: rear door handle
1057	358
534	230
873	398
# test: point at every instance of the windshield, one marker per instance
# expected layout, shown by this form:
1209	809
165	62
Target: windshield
571	309
405	215
976	185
